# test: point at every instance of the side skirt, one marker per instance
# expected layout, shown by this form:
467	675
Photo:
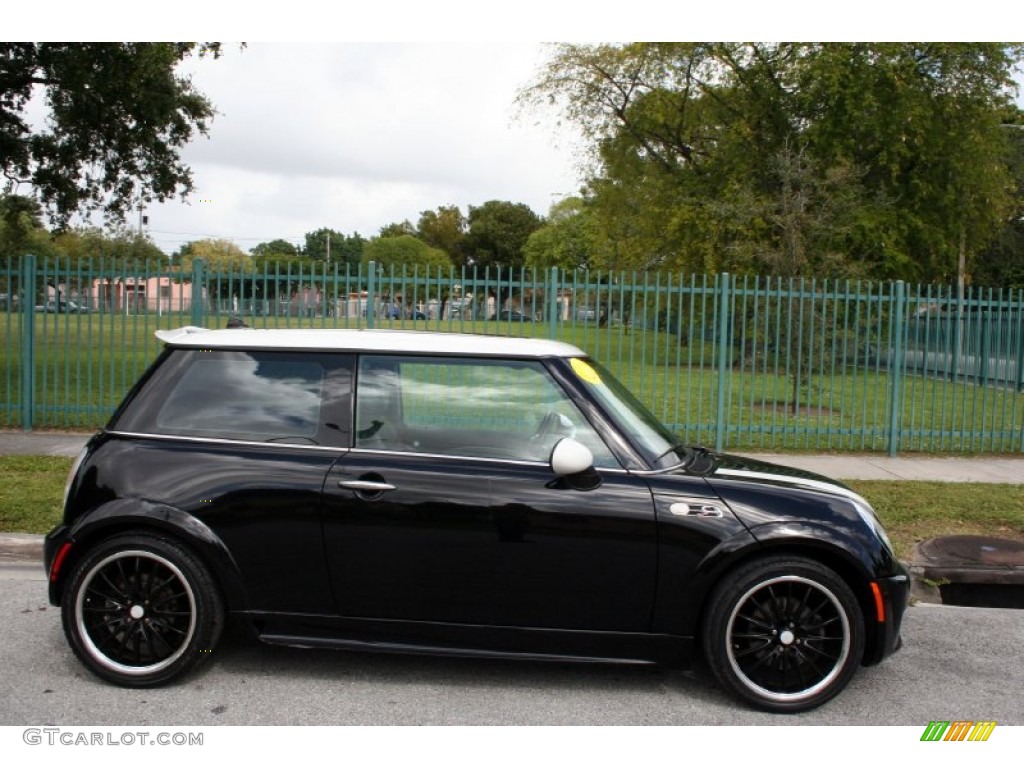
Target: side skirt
392	636
426	650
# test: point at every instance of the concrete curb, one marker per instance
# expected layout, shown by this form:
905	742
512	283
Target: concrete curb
14	443
21	547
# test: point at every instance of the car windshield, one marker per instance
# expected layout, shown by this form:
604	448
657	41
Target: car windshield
661	448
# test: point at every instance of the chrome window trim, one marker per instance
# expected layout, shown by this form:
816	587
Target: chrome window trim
341	450
459	457
226	441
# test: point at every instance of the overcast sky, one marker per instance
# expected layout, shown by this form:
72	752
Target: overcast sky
356	136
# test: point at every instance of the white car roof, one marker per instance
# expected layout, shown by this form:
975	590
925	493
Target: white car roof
365	340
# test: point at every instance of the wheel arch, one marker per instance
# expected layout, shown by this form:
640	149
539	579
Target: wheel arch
141	516
848	562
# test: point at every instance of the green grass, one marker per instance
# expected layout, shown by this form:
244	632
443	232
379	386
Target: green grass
31	492
913	511
31	488
86	363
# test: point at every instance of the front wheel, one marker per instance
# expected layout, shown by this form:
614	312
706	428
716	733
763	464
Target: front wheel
784	633
141	609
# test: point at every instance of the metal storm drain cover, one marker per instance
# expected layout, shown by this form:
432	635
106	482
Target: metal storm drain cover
967	551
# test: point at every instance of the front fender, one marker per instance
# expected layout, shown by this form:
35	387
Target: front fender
860	561
861	556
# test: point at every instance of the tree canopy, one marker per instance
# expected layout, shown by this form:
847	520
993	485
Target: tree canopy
881	158
396	252
444	228
21	227
274	250
218	255
118	114
568	240
86	245
22	232
330	246
498	230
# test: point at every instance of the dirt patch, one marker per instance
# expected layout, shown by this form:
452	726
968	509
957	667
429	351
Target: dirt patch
803	411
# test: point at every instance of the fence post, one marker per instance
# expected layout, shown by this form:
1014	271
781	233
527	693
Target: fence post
198	286
371	292
1020	340
553	305
28	340
896	370
724	345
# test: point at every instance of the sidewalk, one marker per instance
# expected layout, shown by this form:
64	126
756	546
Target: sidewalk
875	466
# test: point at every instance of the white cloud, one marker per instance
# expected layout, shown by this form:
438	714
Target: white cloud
357	136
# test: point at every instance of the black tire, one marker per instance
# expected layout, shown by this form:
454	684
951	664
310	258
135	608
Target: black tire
783	633
141	610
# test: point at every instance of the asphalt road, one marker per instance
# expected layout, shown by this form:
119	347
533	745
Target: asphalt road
957	663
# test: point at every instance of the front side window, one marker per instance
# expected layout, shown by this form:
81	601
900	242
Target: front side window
499	409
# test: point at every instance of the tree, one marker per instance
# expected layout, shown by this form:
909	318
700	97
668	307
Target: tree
569	239
397	229
331	246
88	245
217	255
118	116
691	142
444	228
394	253
21	228
275	250
498	230
1001	264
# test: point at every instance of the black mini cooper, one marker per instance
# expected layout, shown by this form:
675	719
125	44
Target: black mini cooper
452	494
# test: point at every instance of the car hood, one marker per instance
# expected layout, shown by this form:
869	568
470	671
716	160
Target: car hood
726	469
726	465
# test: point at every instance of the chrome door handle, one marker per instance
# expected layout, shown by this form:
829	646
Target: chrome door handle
366	485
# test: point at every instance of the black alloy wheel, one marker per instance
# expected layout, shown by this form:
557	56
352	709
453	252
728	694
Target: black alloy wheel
141	609
785	634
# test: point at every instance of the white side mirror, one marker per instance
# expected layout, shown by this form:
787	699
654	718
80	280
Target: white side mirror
570	457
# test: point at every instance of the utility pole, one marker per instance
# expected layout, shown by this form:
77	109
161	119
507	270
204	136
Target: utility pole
328	249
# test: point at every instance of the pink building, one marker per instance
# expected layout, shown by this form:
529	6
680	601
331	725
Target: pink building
141	294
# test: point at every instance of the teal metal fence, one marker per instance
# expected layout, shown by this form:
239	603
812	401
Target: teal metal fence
741	363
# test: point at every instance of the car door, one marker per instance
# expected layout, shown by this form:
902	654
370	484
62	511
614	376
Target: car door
447	510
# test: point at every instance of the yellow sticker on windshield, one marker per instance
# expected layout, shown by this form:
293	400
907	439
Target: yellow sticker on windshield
585	371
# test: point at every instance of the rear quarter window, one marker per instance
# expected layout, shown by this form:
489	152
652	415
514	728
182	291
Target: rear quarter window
245	395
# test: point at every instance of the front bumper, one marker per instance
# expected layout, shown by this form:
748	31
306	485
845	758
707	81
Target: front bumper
894	592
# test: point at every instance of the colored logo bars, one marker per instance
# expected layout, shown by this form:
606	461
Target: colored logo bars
958	730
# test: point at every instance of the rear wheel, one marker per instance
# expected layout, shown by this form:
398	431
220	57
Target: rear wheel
141	609
786	634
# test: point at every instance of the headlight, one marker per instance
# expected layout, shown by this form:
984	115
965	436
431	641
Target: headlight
867	514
